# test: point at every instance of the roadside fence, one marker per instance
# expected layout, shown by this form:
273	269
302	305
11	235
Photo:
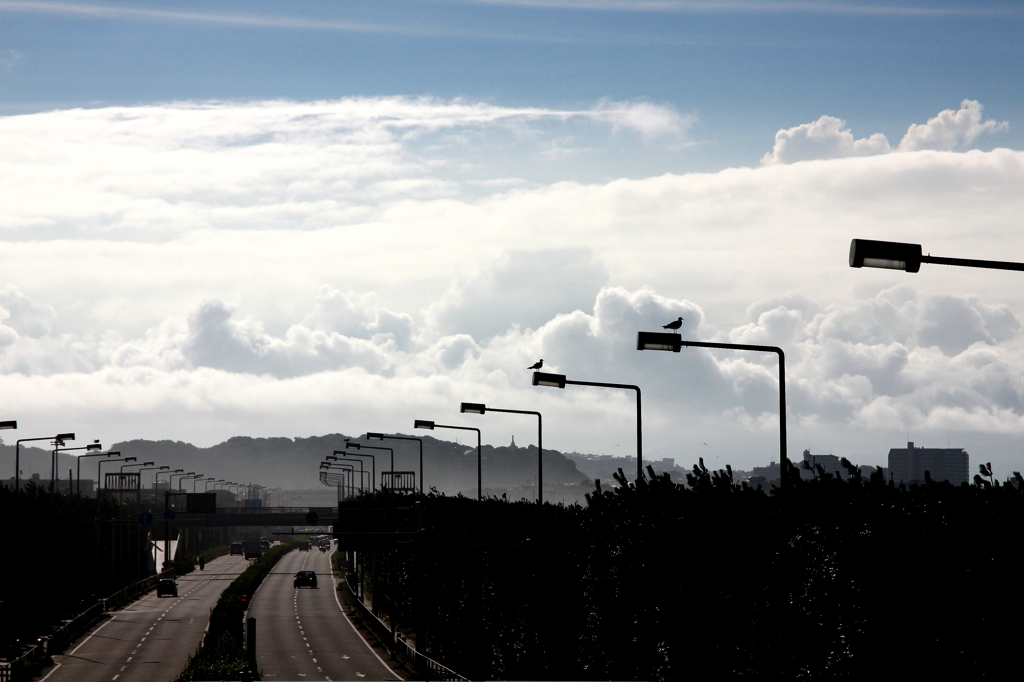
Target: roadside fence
425	667
32	660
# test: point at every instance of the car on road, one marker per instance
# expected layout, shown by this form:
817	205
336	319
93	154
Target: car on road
303	545
167	588
237	548
305	578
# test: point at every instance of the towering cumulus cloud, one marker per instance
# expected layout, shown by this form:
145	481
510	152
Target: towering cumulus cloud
829	138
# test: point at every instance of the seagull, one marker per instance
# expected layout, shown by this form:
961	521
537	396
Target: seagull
674	325
537	365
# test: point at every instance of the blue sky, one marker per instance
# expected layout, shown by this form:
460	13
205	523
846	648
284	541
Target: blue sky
744	70
226	218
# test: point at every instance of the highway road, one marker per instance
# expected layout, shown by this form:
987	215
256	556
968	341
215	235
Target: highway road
151	639
302	634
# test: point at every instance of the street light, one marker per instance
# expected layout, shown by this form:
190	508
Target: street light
17	453
357	446
559	381
327	466
480	408
156	478
181	481
78	476
362	471
429	425
373	464
381	436
95	445
869	253
675	342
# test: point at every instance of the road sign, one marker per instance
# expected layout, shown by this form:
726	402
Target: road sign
312	517
169	515
145	519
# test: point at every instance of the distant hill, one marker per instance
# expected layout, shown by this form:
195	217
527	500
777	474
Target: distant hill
293	463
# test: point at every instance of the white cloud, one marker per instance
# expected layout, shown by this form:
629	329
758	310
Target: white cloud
826	138
950	129
293	268
829	138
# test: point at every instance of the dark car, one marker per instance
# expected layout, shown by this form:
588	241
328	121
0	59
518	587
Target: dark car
303	545
237	548
305	578
167	588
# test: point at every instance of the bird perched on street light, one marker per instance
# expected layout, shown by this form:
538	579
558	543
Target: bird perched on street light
537	365
674	325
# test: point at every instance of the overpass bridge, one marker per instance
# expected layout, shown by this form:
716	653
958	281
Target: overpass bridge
256	516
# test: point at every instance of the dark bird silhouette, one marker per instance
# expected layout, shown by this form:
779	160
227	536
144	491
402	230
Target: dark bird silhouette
537	365
674	325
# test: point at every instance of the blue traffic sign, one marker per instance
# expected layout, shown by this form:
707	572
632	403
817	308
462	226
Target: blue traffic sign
169	516
145	519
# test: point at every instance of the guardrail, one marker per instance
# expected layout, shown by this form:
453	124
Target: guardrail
395	642
27	665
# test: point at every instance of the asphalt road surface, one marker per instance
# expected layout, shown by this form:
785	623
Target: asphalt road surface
302	634
152	638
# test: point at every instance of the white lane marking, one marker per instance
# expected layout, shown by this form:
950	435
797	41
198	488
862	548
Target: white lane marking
116	676
51	672
338	602
90	637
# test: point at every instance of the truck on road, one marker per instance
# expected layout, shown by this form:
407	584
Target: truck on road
252	546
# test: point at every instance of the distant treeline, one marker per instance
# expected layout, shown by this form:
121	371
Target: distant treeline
833	577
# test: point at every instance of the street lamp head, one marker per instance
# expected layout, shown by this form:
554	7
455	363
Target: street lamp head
375	436
352	446
424	424
129	459
332	458
148	464
95	446
179	471
8	425
473	408
339	452
868	253
545	379
658	341
113	453
65	436
165	467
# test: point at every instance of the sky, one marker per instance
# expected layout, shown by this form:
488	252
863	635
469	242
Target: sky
228	218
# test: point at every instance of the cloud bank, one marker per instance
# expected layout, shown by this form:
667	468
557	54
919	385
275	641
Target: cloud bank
201	270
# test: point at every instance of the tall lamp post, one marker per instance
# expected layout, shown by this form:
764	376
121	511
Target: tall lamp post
17	450
357	446
5	426
104	461
868	253
327	466
373	464
156	478
95	445
429	425
381	436
181	481
675	342
480	408
78	464
362	472
559	381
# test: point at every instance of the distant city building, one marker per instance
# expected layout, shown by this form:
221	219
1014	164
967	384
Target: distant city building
830	463
907	465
